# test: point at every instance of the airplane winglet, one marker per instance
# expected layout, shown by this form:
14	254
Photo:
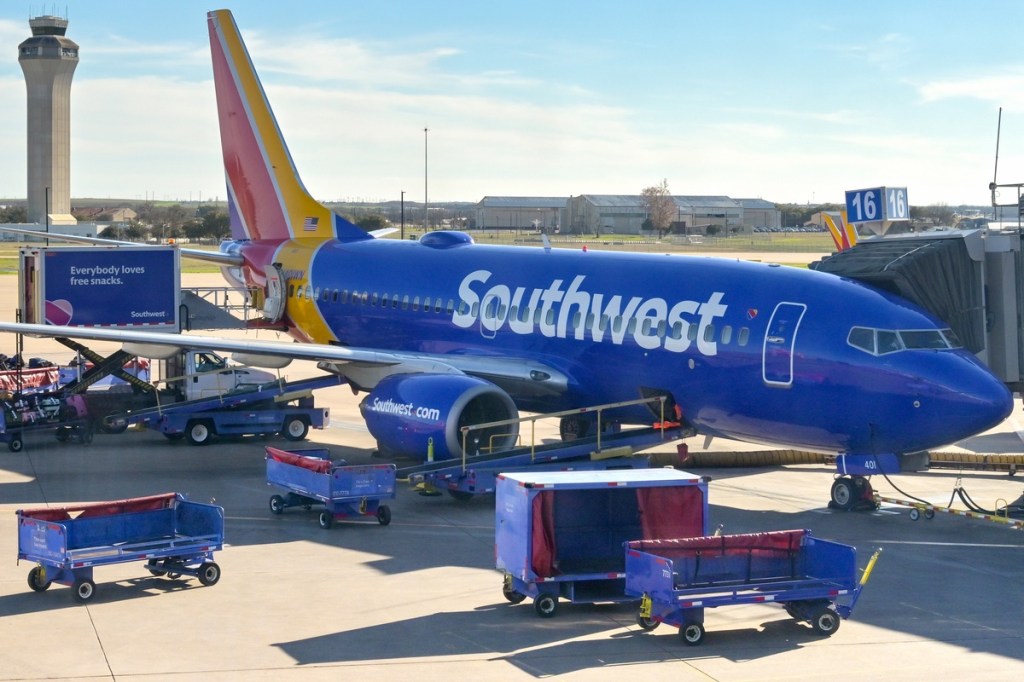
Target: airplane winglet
266	196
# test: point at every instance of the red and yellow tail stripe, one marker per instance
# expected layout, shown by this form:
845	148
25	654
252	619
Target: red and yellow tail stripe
844	235
267	195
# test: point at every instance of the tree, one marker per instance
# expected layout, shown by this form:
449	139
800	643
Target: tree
13	214
659	206
371	222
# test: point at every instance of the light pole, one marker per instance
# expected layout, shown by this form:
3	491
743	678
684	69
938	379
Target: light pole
425	205
403	215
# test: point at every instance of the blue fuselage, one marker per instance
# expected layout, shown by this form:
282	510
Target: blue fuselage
747	350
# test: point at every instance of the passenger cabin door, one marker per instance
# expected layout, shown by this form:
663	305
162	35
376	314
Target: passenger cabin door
777	358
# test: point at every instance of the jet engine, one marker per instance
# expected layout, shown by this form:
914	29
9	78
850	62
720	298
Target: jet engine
421	415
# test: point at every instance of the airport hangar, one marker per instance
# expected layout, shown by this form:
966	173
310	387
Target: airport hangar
623	214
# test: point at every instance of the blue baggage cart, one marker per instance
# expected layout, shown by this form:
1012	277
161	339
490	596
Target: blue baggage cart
311	478
172	535
559	535
815	580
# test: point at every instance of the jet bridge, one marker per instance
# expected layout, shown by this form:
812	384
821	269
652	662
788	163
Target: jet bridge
972	279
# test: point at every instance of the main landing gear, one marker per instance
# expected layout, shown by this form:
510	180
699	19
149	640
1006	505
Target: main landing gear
852	493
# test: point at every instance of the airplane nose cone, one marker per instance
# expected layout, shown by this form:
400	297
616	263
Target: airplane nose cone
976	402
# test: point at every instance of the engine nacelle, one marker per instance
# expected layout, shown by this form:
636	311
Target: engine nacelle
406	412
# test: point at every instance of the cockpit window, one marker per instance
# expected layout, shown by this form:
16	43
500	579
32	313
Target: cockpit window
885	341
863	338
929	338
952	339
888	342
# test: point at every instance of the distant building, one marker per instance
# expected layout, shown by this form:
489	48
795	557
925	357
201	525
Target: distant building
521	213
760	213
48	60
625	214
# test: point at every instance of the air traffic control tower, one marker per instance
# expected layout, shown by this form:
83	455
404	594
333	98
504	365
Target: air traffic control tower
48	60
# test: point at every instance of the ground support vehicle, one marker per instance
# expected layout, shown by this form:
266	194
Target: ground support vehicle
311	478
172	535
477	475
559	535
815	580
278	407
928	511
30	412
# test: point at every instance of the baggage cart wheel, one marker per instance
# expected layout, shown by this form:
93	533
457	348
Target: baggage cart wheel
460	495
692	633
199	432
326	519
915	514
825	621
209	573
62	434
929	514
15	444
153	566
646	623
546	605
84	434
511	596
844	493
114	423
84	590
37	579
383	515
276	504
295	428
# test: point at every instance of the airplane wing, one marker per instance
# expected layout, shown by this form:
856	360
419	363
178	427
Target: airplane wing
363	367
225	259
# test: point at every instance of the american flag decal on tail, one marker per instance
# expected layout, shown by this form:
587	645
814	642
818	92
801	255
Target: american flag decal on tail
309	224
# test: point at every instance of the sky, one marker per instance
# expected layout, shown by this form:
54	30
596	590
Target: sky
789	101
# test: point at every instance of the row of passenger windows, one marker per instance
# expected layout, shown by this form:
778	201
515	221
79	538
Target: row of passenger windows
885	341
496	312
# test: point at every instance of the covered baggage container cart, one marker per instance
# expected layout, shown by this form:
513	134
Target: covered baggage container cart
172	535
815	580
559	535
311	478
31	412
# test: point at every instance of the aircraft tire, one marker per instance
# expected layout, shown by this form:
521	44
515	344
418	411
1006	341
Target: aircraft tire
844	493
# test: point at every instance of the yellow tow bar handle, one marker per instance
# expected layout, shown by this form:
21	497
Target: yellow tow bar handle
870	567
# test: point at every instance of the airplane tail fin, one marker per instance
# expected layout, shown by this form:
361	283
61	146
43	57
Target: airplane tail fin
266	197
843	234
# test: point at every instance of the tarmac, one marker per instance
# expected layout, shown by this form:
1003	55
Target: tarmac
420	598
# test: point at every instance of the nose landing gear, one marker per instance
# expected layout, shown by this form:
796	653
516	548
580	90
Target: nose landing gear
852	493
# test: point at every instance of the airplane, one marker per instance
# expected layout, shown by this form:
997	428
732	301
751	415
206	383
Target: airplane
442	332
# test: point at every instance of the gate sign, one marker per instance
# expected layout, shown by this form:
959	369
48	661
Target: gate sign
877	205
